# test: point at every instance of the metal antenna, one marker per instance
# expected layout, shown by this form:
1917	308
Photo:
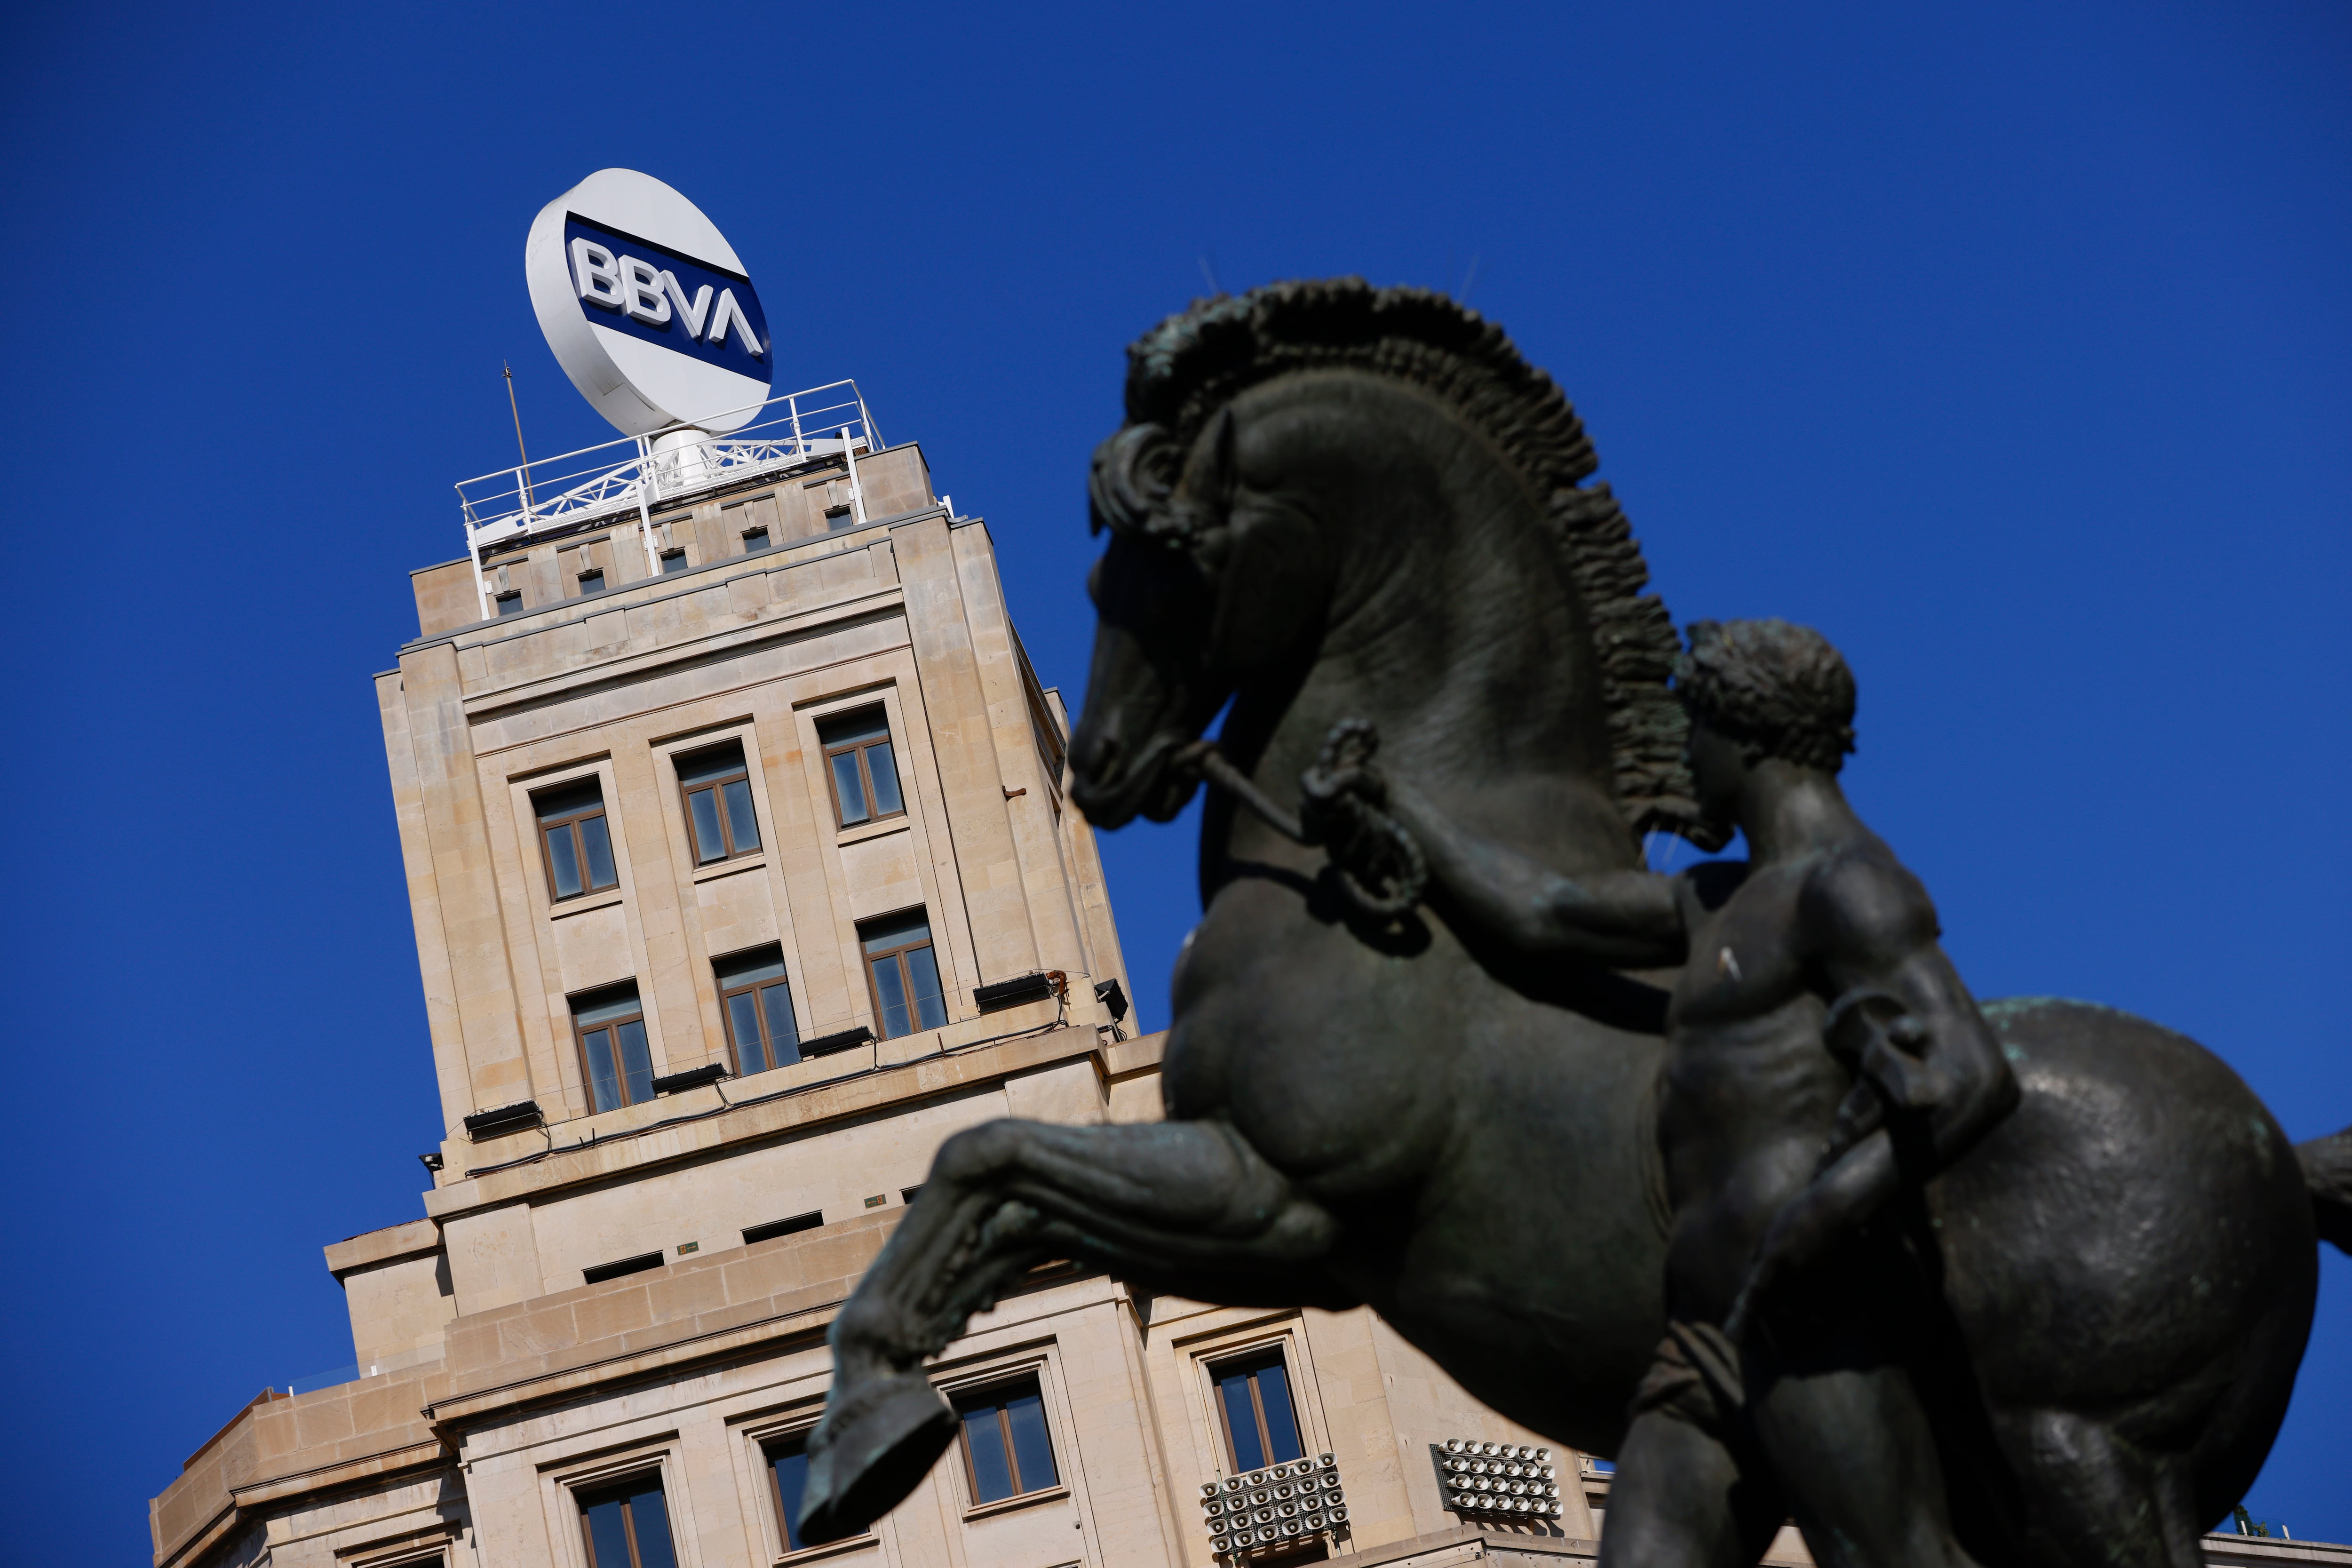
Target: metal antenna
512	407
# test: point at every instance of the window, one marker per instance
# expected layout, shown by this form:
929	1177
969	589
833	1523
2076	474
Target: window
509	603
787	1479
1005	1450
838	517
611	1027
673	560
857	759
591	582
755	539
1253	1402
757	1002
792	1226
719	815
637	1265
627	1524
903	973
579	845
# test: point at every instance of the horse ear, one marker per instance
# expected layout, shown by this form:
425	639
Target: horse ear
1129	482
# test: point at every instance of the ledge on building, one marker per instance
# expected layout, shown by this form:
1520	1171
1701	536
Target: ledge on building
1017	1501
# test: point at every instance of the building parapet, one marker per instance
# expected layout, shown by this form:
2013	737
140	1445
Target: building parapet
455	598
632	477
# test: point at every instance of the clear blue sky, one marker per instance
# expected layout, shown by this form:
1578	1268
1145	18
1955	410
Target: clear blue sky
2010	343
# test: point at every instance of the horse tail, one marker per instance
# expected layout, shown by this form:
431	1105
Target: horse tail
2328	1175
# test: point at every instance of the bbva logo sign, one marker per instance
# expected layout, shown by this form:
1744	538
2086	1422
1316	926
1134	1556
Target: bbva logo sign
653	296
647	306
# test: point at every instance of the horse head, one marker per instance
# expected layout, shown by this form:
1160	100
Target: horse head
1169	651
1329	497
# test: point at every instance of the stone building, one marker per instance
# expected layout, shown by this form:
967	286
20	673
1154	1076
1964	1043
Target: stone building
742	874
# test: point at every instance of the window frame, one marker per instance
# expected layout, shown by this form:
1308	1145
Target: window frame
580	1491
716	784
1254	1359
767	1447
580	1034
889	737
906	976
435	1555
997	1391
541	827
756	990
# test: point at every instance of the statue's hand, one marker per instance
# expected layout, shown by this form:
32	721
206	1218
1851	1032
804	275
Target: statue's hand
1882	1043
1897	1063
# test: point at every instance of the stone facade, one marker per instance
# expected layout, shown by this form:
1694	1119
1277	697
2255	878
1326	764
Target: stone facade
623	1273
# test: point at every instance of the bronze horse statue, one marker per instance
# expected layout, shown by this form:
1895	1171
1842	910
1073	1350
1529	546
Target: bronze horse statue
1329	503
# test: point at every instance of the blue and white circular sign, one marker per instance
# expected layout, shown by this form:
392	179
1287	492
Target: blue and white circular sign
647	307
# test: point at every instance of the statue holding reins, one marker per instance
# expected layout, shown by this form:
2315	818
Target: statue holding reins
1332	504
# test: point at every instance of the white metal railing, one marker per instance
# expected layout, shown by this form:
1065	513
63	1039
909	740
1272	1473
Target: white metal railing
637	473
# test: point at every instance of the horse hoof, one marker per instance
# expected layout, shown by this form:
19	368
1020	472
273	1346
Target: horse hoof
867	1455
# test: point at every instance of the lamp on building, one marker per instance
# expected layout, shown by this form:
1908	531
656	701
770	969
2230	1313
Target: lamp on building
839	1041
692	1078
503	1118
1492	1480
1013	993
1274	1506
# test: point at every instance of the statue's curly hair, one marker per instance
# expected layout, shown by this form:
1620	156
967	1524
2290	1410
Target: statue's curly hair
1779	688
1184	370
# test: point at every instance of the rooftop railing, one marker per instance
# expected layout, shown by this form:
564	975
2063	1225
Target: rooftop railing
636	474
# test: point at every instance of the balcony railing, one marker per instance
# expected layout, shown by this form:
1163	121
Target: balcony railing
632	475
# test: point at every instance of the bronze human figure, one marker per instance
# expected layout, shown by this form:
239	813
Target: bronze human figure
1820	940
1332	502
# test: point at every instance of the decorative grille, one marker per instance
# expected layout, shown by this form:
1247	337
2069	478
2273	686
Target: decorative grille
1273	1506
1494	1481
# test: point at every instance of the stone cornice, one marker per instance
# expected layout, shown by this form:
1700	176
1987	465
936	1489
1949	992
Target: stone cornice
889	1088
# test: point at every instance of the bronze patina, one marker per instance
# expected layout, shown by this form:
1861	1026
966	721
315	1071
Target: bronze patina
1757	1095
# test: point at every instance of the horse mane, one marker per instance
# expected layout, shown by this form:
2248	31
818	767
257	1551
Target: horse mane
1185	369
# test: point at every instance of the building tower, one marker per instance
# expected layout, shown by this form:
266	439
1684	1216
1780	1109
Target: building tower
742	874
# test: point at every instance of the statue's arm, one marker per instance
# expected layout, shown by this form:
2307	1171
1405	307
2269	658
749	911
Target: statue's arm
1874	928
1937	1076
1628	919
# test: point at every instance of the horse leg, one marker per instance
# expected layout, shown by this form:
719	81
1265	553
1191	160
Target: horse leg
1682	1499
1853	1447
1164	1202
2100	1499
